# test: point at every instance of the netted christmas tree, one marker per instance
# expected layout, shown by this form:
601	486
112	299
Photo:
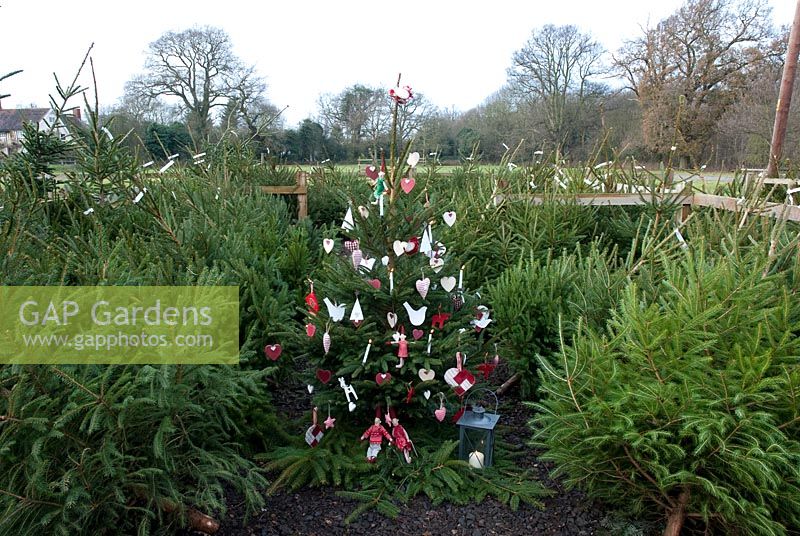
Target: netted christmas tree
391	327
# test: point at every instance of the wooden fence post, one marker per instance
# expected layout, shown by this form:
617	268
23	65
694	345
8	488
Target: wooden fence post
300	189
302	195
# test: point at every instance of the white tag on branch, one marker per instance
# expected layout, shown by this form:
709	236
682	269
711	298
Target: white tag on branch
148	164
88	211
680	238
139	196
166	166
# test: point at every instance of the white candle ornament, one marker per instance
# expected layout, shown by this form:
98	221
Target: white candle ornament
366	352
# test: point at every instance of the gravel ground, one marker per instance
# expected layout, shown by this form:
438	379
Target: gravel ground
321	512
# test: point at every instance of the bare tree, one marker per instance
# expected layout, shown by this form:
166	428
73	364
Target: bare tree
689	69
356	115
554	71
197	67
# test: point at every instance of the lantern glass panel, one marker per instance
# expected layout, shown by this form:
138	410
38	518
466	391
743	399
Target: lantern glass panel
476	438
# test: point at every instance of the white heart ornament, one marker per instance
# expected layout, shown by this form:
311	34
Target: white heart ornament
437	264
392	319
367	263
385	260
422	286
413	159
449	218
310	388
364	211
426	375
448	283
327	245
427	395
351	406
399	247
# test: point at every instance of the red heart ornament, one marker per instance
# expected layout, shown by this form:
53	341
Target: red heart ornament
273	351
311	329
313	304
324	375
417	334
407	185
375	283
382	377
372	172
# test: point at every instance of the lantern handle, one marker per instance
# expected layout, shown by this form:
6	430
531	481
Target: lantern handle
491	392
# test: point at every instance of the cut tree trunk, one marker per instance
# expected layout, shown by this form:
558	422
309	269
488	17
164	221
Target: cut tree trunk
678	515
507	385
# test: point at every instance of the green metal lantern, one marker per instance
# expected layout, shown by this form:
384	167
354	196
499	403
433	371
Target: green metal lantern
476	432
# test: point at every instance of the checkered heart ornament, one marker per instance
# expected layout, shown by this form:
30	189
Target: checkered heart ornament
314	433
459	378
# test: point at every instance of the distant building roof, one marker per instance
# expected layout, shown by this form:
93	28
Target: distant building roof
11	120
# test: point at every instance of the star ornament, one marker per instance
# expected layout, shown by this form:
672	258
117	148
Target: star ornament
329	422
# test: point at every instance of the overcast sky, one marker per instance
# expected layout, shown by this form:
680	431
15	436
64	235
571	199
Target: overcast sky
456	52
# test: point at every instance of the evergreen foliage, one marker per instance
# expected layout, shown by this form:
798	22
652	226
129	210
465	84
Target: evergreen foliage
537	302
106	448
686	399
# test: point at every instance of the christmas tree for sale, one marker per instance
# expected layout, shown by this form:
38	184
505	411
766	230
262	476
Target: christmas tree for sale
390	325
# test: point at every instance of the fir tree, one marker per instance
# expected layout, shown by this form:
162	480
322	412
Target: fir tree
389	261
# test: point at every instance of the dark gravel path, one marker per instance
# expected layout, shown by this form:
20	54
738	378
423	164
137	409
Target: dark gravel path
320	512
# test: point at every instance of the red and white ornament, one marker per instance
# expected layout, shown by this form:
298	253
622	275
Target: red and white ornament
326	342
314	433
459	378
357	256
383	377
327	244
407	184
273	351
311	300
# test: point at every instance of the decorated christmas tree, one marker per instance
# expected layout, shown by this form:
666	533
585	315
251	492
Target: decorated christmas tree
394	339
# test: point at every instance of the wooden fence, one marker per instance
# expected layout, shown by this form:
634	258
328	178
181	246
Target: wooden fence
300	189
685	199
